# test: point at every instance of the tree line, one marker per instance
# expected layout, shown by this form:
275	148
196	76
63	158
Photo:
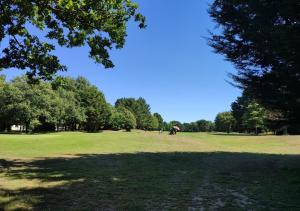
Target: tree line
68	104
246	116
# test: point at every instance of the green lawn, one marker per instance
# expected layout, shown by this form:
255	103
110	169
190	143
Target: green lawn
149	171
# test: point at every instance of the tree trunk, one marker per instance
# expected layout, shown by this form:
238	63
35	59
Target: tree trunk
26	127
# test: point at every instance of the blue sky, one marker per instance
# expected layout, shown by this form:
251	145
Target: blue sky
169	63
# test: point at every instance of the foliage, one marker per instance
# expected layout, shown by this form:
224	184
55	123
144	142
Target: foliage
154	123
273	120
224	122
167	126
25	104
262	39
71	23
122	118
139	108
96	110
190	127
198	126
238	109
205	126
160	121
254	117
69	104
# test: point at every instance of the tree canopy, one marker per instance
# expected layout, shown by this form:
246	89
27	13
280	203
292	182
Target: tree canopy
254	117
71	104
262	39
160	120
122	118
70	23
140	108
224	122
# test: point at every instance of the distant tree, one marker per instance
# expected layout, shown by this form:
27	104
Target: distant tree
166	127
204	126
211	126
2	81
139	108
71	114
186	127
224	122
275	122
96	109
99	24
12	106
154	123
261	38
122	118
190	127
116	120
239	108
254	117
160	121
30	105
144	116
3	107
129	121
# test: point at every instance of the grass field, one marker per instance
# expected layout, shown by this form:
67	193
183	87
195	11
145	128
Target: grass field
149	171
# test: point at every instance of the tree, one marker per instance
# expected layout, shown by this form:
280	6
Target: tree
160	121
129	121
238	109
166	127
254	117
4	91
139	108
154	123
30	105
190	127
2	105
224	122
116	120
262	39
71	23
122	118
87	107
204	126
275	122
71	114
96	109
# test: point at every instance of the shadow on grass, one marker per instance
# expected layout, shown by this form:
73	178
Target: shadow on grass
155	181
29	133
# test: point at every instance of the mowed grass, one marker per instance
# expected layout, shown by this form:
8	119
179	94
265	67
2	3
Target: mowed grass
149	171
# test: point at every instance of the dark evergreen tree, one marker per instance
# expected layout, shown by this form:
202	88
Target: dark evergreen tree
262	39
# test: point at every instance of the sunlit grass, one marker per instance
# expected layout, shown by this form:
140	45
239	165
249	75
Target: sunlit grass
147	170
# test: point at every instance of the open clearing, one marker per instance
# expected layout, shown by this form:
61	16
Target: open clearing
149	171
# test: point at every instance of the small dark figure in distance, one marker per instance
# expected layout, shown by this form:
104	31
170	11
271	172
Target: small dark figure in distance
174	130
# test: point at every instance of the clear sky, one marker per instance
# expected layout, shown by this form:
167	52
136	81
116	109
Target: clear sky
169	63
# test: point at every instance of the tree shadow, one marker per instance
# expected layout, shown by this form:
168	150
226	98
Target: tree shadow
29	133
154	181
